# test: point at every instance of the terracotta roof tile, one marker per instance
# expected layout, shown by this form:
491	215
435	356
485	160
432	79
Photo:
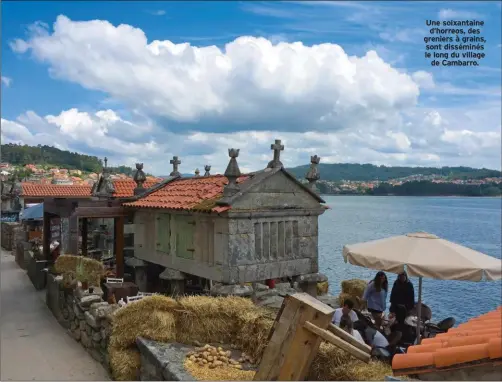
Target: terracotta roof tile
125	187
196	194
475	342
39	190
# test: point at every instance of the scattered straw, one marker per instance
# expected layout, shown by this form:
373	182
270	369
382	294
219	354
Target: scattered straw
354	287
223	373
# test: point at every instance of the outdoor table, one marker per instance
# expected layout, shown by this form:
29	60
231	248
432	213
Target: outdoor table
121	290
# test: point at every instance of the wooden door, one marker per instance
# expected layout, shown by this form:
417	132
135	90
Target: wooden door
185	229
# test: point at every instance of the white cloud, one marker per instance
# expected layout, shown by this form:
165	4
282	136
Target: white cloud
159	12
7	81
424	79
252	83
449	13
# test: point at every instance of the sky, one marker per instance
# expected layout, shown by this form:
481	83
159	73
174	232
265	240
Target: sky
348	81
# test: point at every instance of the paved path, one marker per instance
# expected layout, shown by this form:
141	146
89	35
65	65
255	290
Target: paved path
34	346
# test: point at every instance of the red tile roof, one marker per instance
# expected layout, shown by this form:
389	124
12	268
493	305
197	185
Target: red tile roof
125	187
475	342
196	194
38	190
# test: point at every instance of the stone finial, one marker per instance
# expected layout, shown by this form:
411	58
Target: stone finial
175	162
313	174
139	178
197	172
106	162
232	173
207	168
277	147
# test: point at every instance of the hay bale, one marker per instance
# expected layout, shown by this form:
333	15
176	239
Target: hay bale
354	287
125	363
253	329
66	264
322	288
155	325
209	319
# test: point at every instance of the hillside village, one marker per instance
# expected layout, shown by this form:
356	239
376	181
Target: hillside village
55	175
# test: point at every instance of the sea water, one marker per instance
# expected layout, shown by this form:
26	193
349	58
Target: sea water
472	222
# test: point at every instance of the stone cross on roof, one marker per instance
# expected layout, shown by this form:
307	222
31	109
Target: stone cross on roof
175	162
277	147
106	162
313	174
232	173
207	168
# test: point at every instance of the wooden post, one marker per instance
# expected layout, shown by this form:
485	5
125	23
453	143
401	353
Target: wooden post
118	224
84	236
46	240
73	240
292	348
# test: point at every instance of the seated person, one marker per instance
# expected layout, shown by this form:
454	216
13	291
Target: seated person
372	337
346	324
346	309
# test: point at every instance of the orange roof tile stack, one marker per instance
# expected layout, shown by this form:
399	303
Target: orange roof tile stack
474	343
125	187
195	194
37	190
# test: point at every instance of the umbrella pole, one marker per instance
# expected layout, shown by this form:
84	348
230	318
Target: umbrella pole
419	309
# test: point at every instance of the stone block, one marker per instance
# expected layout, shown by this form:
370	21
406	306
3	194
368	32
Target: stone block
264	295
103	344
81	293
241	249
274	302
238	226
87	301
96	354
36	273
73	326
76	334
96	336
84	338
231	290
308	246
91	321
65	313
88	330
79	313
162	361
53	296
82	324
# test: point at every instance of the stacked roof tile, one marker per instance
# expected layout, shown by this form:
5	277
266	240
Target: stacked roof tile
37	190
474	343
195	194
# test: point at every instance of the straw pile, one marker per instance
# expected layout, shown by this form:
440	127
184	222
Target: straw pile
81	268
354	287
230	320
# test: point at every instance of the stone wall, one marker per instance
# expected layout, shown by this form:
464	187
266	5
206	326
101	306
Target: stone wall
85	315
9	234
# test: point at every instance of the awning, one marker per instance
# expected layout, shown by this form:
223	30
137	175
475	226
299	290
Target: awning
33	213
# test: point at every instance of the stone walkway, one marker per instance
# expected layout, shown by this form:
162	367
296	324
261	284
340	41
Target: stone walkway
33	344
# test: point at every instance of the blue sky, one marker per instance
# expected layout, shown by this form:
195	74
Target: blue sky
358	89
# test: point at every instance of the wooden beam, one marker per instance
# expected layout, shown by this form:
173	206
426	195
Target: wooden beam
99	212
119	245
349	338
337	341
46	239
292	348
85	233
74	234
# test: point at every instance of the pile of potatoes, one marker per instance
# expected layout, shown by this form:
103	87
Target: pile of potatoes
212	357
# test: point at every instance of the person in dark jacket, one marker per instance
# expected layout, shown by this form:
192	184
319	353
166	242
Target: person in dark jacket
402	293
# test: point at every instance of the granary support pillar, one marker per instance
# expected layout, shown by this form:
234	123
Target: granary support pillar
176	281
140	278
308	283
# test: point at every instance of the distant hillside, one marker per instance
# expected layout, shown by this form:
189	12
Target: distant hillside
363	172
21	155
